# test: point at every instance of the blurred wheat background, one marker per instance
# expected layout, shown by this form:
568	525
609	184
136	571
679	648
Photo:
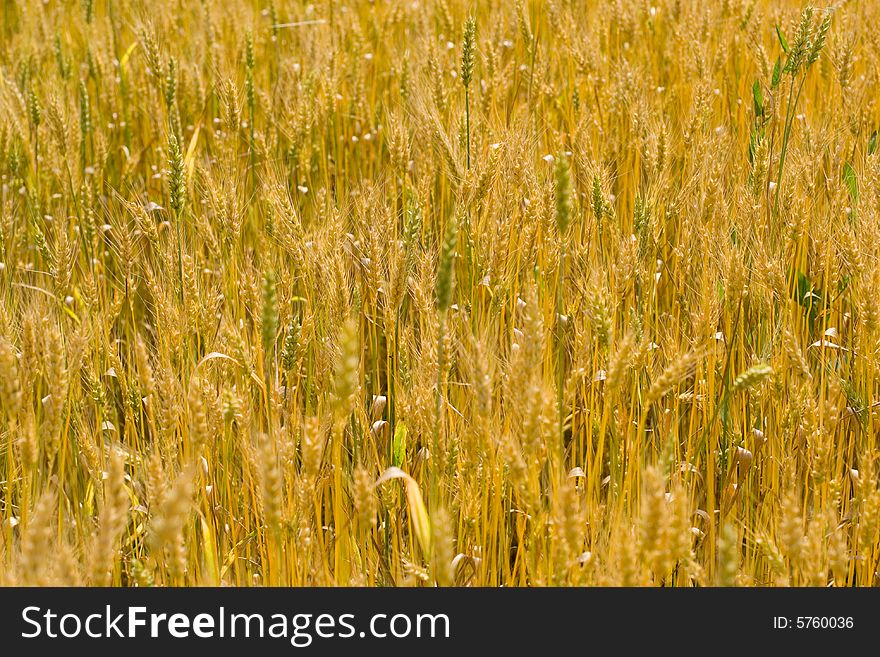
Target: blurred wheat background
436	292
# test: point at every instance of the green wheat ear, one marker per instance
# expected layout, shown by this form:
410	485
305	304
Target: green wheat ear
35	110
563	194
468	56
170	88
291	343
176	178
177	197
445	268
269	318
820	37
85	113
468	51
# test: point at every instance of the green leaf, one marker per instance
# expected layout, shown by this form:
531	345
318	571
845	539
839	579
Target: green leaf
398	445
777	73
852	182
758	99
782	40
872	143
724	416
810	298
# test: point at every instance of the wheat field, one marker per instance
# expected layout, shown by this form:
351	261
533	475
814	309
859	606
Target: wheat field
435	292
